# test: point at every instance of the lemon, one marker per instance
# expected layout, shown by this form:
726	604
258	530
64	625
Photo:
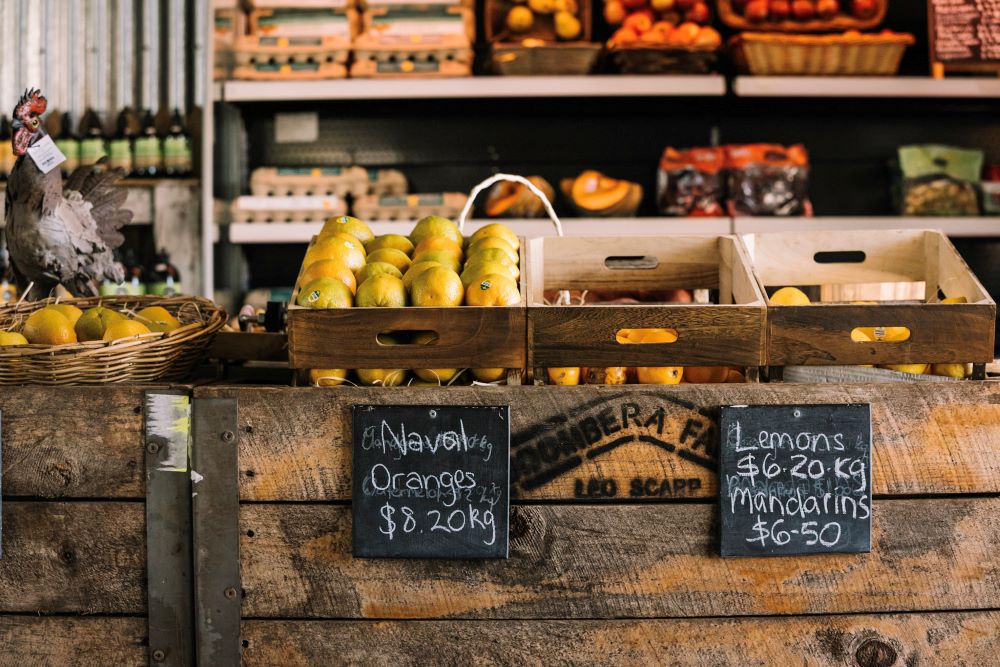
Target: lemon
913	369
95	321
157	318
955	299
325	293
660	375
493	289
372	269
437	287
69	311
439	255
395	241
475	271
435	225
327	377
489	374
493	242
345	224
12	338
564	376
392	256
341	247
415	270
520	19
957	371
124	329
48	327
790	296
381	291
499	230
329	268
440	243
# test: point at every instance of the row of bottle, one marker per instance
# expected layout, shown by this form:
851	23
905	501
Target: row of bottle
163	280
136	146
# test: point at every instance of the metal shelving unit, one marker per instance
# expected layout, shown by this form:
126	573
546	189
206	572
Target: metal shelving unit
872	86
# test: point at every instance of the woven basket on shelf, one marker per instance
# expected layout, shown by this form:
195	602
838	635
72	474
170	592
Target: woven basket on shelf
845	55
154	357
734	19
663	59
550	59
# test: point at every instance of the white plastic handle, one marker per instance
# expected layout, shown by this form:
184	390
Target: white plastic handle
496	178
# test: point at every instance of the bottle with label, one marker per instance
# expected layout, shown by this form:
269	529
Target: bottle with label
133	285
92	144
148	154
8	290
68	142
177	148
6	149
165	279
120	146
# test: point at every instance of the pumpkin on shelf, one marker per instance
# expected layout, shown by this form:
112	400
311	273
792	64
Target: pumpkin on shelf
594	194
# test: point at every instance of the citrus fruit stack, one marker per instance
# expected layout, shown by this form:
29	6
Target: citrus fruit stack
793	296
65	324
434	267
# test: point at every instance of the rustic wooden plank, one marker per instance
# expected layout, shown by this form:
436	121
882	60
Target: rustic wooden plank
240	346
941	439
73	442
622	561
81	557
61	641
832	641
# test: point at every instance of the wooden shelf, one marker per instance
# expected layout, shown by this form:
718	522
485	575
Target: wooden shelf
858	86
302	232
956	227
475	87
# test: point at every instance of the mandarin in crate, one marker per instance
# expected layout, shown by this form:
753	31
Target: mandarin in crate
341	247
397	241
493	242
780	9
158	318
610	375
372	269
499	230
567	26
624	36
94	322
435	225
69	311
489	374
520	19
434	375
699	13
708	36
493	290
477	269
639	23
663	29
415	270
659	374
437	287
329	268
756	11
325	293
125	329
327	377
662	5
864	9
440	243
392	256
566	377
48	327
345	224
706	374
827	9
803	10
789	296
439	255
381	291
653	37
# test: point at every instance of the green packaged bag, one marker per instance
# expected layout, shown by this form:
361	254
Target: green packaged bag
939	180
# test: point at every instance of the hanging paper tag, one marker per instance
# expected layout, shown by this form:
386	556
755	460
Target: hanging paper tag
46	155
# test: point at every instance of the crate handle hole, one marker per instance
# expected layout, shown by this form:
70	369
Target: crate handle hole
880	334
626	262
658	336
408	337
840	257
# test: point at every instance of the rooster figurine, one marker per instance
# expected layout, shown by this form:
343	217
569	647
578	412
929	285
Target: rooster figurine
60	234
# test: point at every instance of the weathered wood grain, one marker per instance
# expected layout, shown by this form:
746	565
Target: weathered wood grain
622	561
73	442
27	641
73	557
818	641
940	439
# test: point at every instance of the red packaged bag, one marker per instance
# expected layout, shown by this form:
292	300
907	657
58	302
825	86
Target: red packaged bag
768	180
690	182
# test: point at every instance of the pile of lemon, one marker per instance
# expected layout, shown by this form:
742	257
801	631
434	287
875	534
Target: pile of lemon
65	324
347	266
793	296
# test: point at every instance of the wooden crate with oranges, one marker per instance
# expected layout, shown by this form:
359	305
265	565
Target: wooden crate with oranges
904	300
369	309
623	309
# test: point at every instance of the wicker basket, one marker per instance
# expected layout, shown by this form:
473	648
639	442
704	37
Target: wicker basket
154	357
551	59
665	59
776	54
734	19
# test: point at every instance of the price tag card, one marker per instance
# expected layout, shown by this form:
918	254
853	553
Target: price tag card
431	481
45	154
795	479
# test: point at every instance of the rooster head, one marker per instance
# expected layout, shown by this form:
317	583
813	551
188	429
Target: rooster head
27	120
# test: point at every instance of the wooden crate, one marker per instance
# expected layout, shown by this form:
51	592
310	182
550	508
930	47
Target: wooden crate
820	334
597	575
730	332
468	336
74	570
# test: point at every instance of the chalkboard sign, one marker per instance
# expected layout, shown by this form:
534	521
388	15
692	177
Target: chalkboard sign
431	481
795	479
965	34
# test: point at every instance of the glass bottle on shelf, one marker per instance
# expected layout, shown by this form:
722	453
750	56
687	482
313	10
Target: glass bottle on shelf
165	279
177	148
120	146
68	142
92	143
134	284
8	288
148	156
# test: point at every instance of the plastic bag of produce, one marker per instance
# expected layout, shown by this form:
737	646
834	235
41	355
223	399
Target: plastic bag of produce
939	180
768	179
690	182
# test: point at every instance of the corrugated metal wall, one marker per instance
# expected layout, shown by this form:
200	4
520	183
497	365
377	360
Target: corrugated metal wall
103	54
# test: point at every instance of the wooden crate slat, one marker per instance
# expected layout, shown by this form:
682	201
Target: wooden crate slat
82	442
914	639
83	557
60	641
940	439
618	561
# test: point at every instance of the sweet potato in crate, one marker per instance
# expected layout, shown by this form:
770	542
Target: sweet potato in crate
730	332
825	334
415	41
468	336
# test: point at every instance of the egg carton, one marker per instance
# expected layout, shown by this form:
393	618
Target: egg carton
411	207
299	4
305	22
419	22
330	181
269	58
286	209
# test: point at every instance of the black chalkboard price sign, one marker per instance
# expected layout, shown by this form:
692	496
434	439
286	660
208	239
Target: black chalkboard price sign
795	479
964	34
431	481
